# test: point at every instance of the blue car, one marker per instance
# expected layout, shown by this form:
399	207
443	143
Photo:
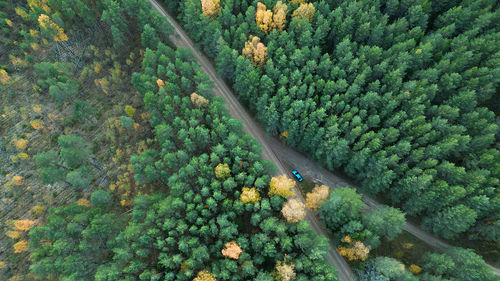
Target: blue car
297	175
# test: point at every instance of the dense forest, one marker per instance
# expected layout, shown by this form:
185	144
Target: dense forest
400	95
119	163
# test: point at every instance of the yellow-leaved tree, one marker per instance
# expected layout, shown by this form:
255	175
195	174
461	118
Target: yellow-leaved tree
222	171
282	186
204	275
4	77
255	51
249	195
47	24
293	210
355	250
279	17
264	18
232	250
20	246
210	8
284	271
268	20
318	195
198	100
305	11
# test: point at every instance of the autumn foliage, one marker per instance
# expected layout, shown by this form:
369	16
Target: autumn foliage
198	100
355	250
249	195
222	171
255	51
47	24
318	195
293	210
268	20
20	246
282	186
232	250
284	271
305	11
210	8
204	276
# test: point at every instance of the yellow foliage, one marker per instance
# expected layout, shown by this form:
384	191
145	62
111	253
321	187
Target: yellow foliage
20	12
282	186
263	18
210	8
249	195
47	23
408	245
36	124
355	251
23	156
8	22
232	250
204	276
112	187
268	20
129	110
33	32
293	210
318	195
198	100
35	46
279	17
83	202
17	277
20	246
23	225
41	4
255	51
418	51
18	180
285	271
222	171
4	77
415	269
14	234
37	108
97	68
38	210
305	11
160	83
21	144
2	264
284	134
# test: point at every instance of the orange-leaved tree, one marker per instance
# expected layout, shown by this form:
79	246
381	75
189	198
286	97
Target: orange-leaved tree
232	250
54	30
318	195
210	8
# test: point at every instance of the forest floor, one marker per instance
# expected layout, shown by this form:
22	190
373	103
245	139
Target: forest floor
31	115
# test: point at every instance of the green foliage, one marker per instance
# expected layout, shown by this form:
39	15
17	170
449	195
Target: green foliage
73	242
70	162
342	206
380	90
100	198
385	221
456	264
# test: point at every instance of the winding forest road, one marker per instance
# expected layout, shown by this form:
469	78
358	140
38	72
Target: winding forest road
276	152
252	128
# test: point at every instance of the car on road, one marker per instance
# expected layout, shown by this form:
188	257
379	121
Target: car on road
297	175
